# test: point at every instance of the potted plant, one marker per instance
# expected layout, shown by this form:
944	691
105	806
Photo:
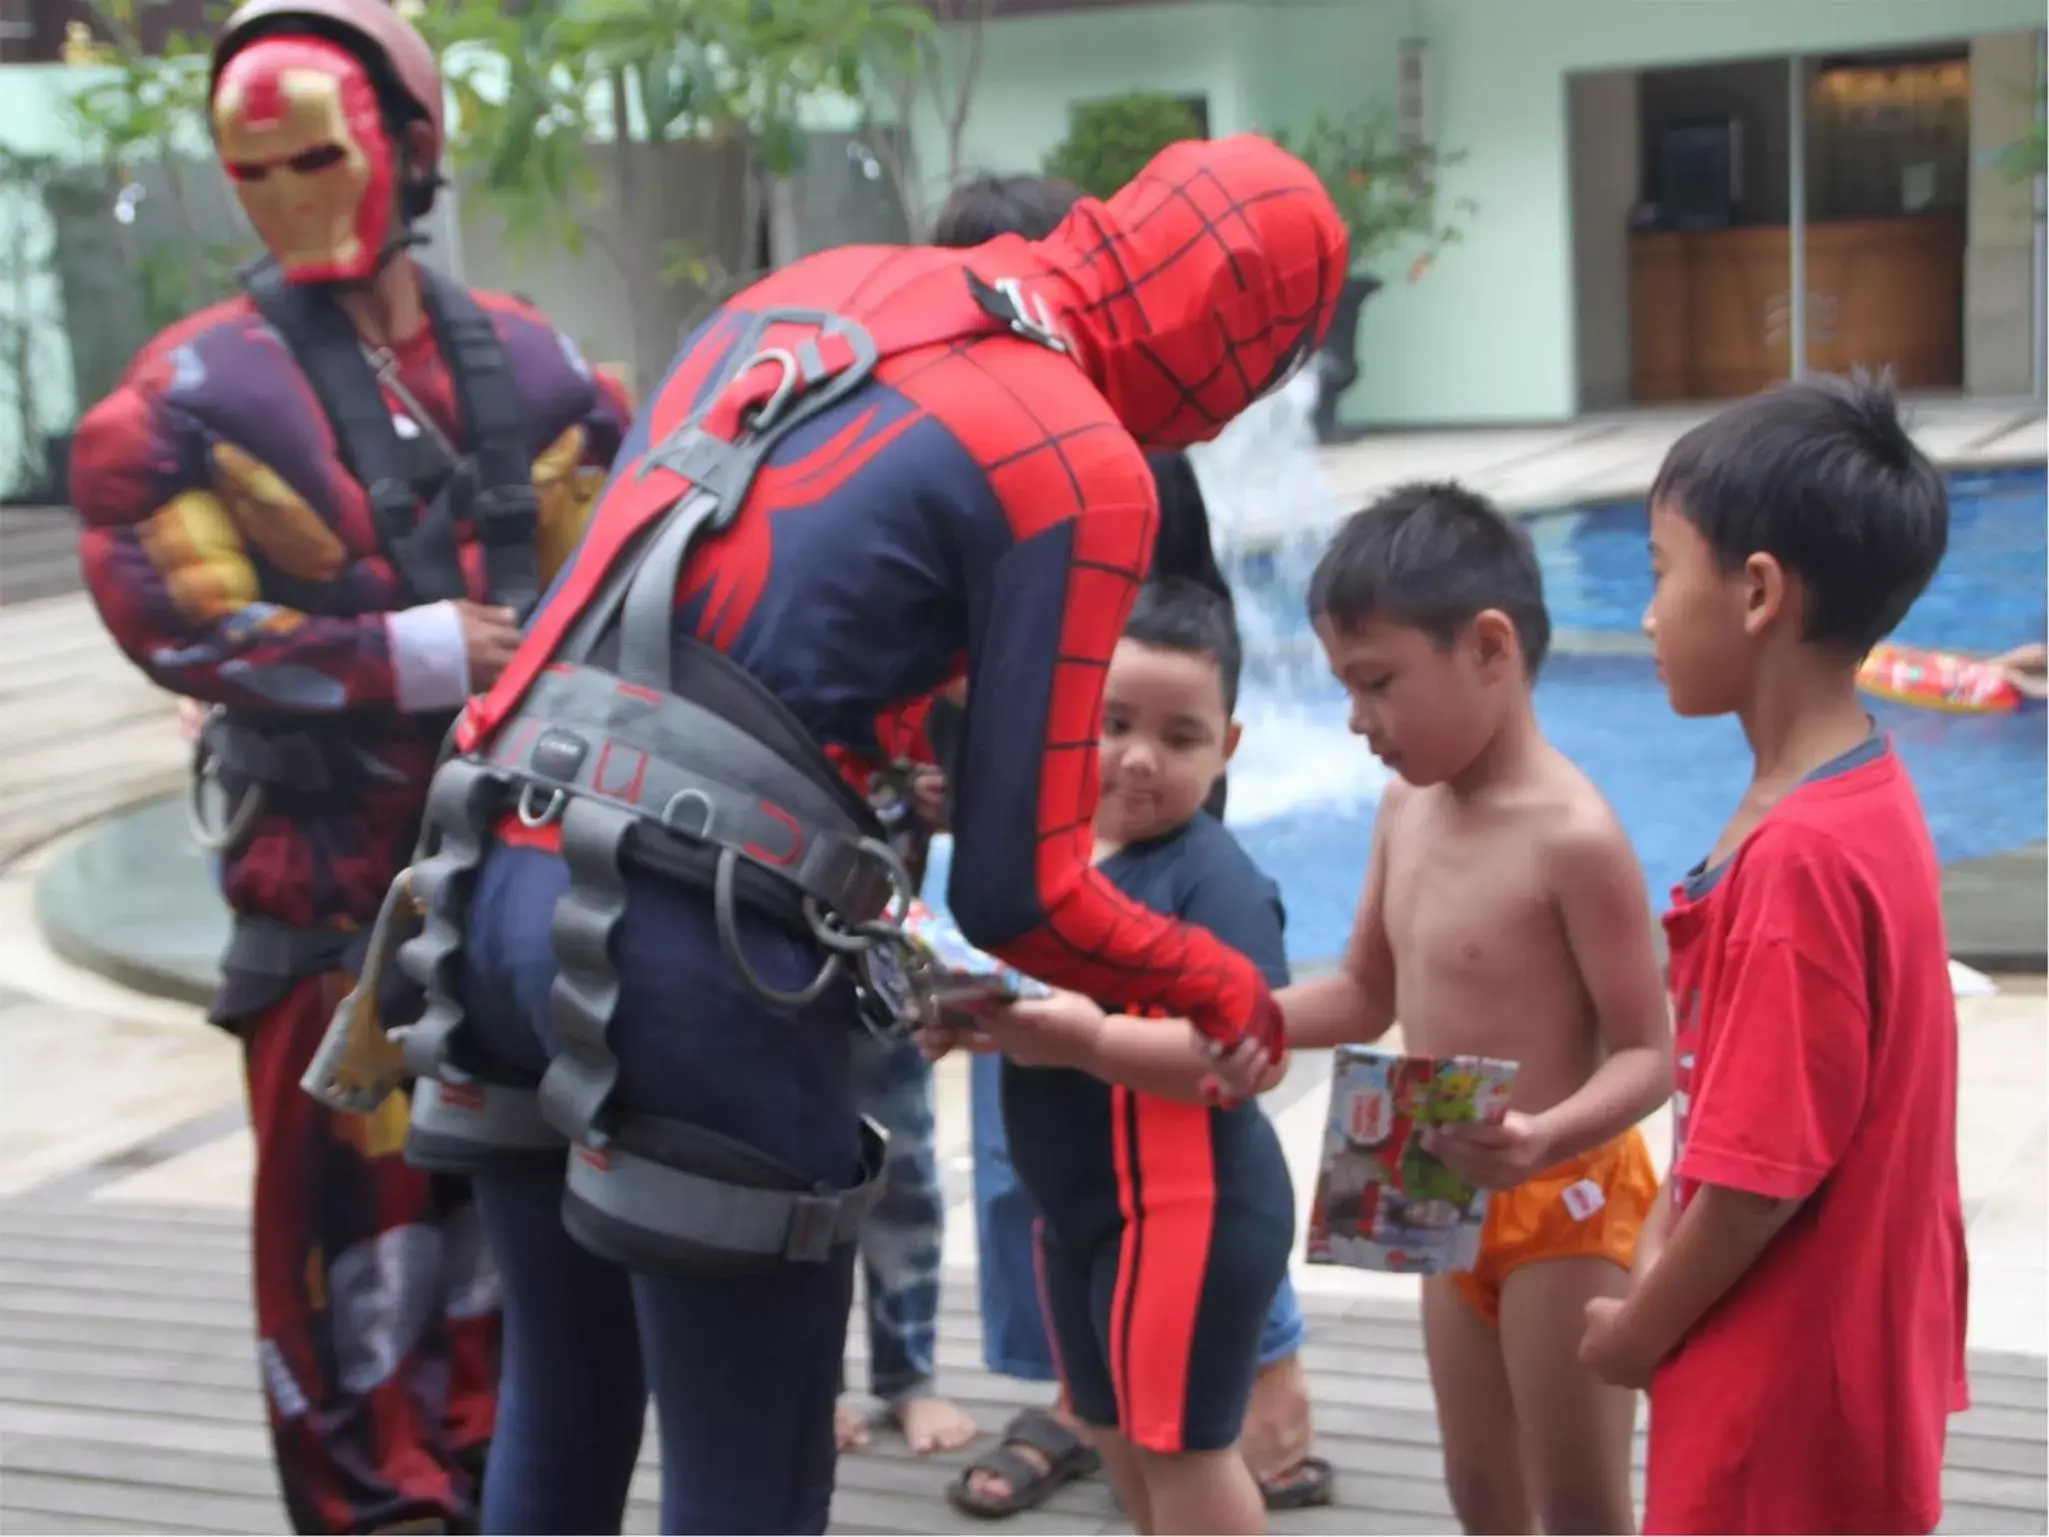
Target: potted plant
1386	192
1109	141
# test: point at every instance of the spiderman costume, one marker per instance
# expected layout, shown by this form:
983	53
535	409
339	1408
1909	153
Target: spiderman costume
240	553
960	489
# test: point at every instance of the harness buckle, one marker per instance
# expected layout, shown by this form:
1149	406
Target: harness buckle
814	1220
504	515
1026	315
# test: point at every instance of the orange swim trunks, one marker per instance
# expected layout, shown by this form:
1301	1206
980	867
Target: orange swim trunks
1593	1204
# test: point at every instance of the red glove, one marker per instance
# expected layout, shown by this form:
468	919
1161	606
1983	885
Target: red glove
1269	1027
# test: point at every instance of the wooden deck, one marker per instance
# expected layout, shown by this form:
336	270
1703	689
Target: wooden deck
128	1401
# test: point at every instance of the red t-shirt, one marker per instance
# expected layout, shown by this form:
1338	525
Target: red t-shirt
1816	1060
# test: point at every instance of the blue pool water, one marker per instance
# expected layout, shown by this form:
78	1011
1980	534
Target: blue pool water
1303	792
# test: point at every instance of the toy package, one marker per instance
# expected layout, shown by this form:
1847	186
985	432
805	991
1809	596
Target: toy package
1382	1202
938	970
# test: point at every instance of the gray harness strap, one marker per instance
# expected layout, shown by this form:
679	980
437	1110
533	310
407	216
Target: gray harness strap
712	1215
688	773
451	1118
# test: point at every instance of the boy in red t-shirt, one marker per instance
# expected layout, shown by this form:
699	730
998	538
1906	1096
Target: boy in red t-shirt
1798	1311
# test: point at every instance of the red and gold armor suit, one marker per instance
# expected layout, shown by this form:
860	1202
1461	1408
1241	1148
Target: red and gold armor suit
236	559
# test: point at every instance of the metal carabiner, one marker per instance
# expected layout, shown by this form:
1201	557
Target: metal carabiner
227	835
764	415
725	906
550	813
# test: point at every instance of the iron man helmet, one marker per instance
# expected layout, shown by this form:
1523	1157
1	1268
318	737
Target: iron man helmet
307	99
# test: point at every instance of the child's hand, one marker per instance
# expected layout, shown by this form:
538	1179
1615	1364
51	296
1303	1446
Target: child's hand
1060	1031
1242	1071
935	1041
1492	1155
928	797
1609	1350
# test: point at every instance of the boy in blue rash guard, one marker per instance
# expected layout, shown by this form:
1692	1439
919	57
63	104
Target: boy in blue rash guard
1166	1221
1040	1450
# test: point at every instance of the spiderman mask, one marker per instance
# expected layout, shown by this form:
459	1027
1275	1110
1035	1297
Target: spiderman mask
301	133
1201	286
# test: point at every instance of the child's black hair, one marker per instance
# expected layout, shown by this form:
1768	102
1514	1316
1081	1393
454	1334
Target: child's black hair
980	210
1820	475
1176	614
1431	556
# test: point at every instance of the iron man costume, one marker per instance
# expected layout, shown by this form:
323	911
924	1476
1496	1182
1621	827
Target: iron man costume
875	473
243	551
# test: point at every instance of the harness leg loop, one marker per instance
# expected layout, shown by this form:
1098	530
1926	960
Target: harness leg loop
580	1080
461	803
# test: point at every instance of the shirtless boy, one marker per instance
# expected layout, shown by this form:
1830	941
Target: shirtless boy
1504	914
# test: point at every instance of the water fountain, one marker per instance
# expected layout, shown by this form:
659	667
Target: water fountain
1302	787
1270	512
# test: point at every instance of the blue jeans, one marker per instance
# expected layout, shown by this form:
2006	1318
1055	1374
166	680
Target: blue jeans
901	1237
1014	1341
744	1369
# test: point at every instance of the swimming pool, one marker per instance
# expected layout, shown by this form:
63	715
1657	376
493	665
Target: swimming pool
1303	791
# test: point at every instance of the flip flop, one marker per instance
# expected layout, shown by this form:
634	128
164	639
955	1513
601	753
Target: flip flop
1067	1456
1310	1482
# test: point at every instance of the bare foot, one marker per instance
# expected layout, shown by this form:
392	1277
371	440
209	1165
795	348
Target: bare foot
934	1425
849	1427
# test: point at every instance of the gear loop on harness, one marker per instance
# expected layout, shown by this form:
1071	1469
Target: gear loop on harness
580	1080
548	815
226	835
725	918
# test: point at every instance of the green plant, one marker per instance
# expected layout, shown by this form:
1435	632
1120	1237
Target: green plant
534	89
25	258
1109	141
146	110
1386	191
2028	156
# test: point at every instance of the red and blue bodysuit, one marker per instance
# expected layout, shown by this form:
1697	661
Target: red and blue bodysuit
980	508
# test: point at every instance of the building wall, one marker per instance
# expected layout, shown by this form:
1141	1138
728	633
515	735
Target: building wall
2000	252
1035	69
1490	332
32	122
1606	179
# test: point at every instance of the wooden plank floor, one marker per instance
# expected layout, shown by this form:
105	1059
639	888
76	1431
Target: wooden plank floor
38	553
128	1401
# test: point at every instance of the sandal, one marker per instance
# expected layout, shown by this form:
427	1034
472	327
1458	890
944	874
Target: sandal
1067	1456
1310	1482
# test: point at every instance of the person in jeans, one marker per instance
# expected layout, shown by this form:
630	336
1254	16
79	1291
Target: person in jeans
1040	1450
901	1241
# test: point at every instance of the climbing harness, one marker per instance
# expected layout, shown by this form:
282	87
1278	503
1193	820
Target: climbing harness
421	488
638	748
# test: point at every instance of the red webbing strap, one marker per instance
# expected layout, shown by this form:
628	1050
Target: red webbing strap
912	320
